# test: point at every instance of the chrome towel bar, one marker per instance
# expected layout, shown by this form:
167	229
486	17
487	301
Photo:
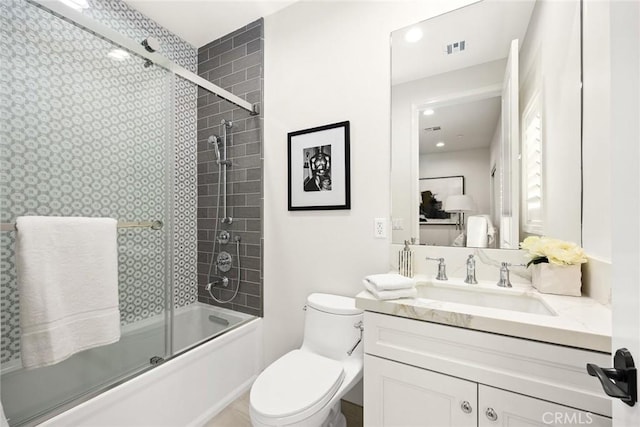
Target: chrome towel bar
154	225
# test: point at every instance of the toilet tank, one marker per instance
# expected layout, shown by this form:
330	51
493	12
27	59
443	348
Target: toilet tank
330	326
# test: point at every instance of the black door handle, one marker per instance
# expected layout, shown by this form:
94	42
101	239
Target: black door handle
611	388
621	381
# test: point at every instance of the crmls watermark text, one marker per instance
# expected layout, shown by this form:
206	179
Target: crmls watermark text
567	418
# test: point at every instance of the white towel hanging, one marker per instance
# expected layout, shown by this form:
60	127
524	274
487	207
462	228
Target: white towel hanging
68	285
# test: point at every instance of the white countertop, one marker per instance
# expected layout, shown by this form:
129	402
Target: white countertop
578	321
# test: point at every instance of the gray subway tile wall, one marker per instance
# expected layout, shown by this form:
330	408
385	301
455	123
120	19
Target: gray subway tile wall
235	63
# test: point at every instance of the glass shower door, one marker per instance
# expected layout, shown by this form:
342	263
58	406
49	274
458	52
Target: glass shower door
85	131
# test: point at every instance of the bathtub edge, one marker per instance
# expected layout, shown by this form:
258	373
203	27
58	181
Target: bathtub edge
134	404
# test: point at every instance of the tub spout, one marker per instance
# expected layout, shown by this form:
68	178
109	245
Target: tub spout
224	281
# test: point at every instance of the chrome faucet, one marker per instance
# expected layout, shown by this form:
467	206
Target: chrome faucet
504	281
471	271
442	268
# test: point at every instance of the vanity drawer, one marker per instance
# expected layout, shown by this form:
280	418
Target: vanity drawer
547	371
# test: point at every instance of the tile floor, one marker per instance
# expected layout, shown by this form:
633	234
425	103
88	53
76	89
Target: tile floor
234	415
237	414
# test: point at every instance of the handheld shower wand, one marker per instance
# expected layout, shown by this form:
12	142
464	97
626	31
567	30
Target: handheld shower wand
223	164
213	140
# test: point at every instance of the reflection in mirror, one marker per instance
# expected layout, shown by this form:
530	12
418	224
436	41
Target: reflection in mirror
489	93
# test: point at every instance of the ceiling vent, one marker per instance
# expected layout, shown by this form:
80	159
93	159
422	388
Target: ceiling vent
433	128
456	47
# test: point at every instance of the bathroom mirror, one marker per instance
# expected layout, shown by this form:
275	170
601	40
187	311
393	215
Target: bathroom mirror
490	92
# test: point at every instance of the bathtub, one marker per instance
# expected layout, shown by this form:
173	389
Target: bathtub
186	390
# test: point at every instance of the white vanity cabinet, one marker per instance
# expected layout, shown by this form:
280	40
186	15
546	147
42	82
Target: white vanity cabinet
396	394
504	408
399	395
426	374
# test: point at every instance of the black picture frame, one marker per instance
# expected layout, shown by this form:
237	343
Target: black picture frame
319	173
440	188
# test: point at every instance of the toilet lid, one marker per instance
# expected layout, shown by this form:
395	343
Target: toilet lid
296	382
334	304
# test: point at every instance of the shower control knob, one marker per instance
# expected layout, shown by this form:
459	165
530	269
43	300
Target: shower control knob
223	261
224	237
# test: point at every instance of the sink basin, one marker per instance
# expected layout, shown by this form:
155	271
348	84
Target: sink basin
512	300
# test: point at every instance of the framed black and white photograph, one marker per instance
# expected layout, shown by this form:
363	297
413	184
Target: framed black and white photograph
433	195
319	174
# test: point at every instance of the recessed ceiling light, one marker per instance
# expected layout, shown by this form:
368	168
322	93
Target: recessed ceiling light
76	4
118	55
428	112
440	144
413	35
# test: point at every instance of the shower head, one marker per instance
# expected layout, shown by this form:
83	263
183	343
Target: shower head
214	140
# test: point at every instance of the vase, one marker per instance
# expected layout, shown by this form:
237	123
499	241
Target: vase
557	279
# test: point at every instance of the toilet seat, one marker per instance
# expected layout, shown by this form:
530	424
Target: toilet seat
295	387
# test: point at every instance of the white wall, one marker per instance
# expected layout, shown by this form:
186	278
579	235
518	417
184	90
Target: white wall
555	71
474	166
596	144
327	62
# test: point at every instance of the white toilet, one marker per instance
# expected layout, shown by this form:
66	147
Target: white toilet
304	387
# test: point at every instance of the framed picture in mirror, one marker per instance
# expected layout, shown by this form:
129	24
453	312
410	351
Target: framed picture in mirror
434	193
319	171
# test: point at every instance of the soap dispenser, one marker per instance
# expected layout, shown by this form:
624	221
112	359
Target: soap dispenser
405	260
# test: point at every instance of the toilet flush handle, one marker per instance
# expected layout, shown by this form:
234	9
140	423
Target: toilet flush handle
360	327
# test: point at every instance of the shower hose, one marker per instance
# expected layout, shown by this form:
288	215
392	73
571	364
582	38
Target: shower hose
215	237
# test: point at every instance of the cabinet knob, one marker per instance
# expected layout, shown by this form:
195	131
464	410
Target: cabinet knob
466	407
491	414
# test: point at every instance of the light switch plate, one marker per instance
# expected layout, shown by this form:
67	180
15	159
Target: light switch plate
380	228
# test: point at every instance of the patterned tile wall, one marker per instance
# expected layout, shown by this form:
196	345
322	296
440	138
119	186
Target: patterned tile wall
84	135
235	63
119	16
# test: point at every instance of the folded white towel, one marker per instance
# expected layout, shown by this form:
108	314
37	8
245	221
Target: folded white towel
390	281
67	271
395	294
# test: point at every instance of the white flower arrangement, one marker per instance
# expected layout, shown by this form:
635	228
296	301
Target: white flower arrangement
554	251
